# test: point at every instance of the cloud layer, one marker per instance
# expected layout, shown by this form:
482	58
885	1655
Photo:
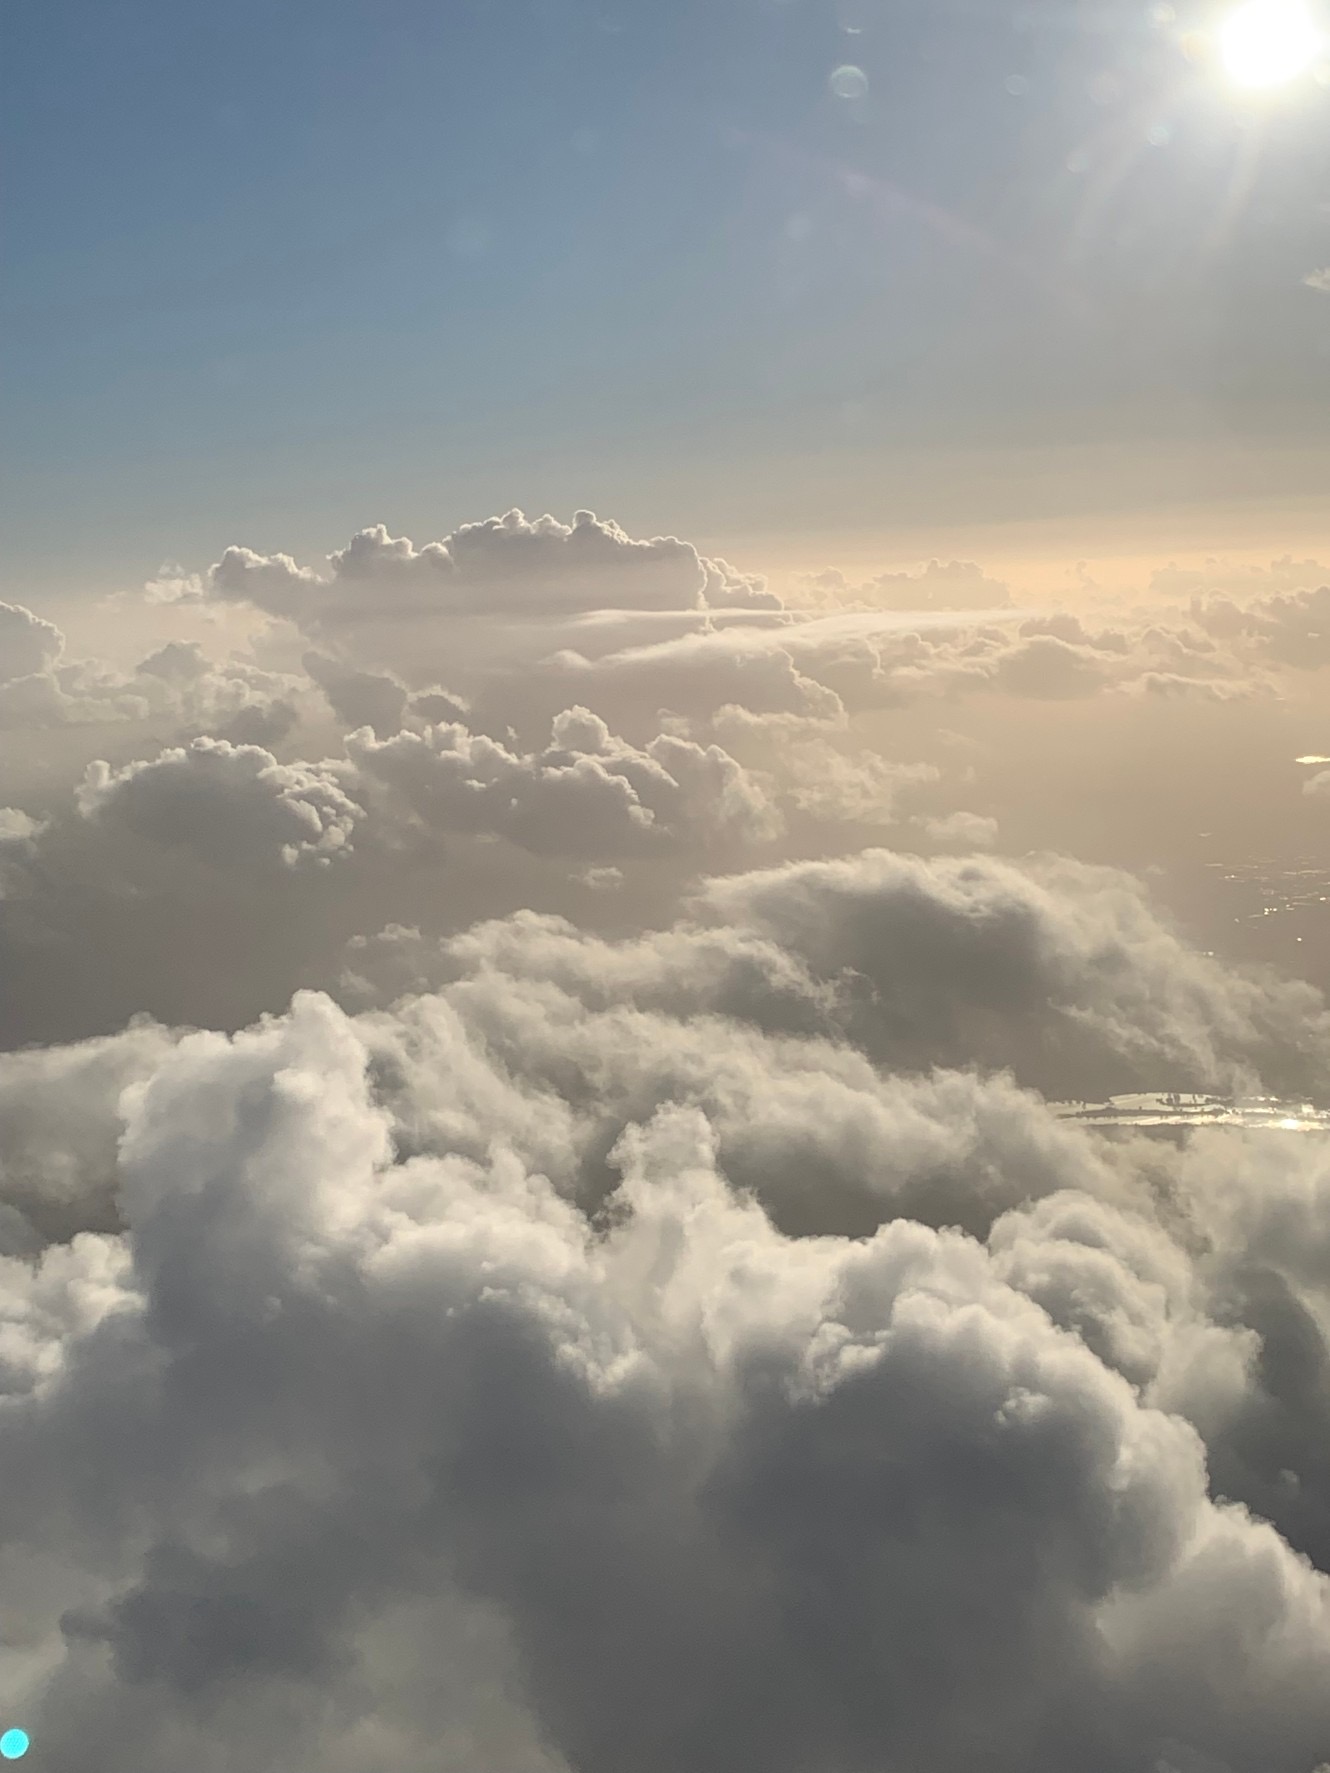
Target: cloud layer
536	1231
371	1365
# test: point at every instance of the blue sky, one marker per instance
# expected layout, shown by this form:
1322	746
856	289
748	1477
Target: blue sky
273	271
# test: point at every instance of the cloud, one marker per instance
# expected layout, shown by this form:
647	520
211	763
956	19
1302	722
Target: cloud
1043	665
361	698
60	1129
230	806
1318	280
327	1412
953	585
39	689
28	645
1285	575
518	1301
586	794
508	565
1292	628
36	690
17	829
523	618
636	688
1057	969
228	700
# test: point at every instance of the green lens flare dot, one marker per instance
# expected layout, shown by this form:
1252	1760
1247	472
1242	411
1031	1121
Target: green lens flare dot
14	1744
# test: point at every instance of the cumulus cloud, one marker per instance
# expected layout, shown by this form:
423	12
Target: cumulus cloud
1280	577
28	645
228	700
37	690
580	1265
375	699
17	829
949	585
508	565
231	806
1061	970
60	1129
359	1384
40	688
587	793
1059	657
1044	665
525	617
693	677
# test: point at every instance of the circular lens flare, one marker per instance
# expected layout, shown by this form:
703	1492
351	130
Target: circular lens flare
1269	42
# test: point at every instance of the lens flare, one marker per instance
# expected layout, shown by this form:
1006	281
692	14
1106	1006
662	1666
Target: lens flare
1269	42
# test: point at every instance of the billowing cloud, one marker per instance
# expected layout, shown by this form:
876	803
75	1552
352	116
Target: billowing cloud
336	1407
586	794
504	566
37	690
60	1130
577	1266
231	700
1060	970
231	806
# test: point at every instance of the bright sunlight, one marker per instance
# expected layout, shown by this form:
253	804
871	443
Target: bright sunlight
1267	43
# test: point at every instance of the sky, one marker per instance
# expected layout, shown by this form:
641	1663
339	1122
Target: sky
646	658
1038	280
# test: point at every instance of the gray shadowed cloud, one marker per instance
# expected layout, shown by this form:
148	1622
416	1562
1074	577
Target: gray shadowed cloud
895	1495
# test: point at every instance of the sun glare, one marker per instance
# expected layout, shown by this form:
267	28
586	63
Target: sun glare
1267	43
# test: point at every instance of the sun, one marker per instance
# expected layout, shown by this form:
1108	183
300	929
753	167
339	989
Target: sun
1267	43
